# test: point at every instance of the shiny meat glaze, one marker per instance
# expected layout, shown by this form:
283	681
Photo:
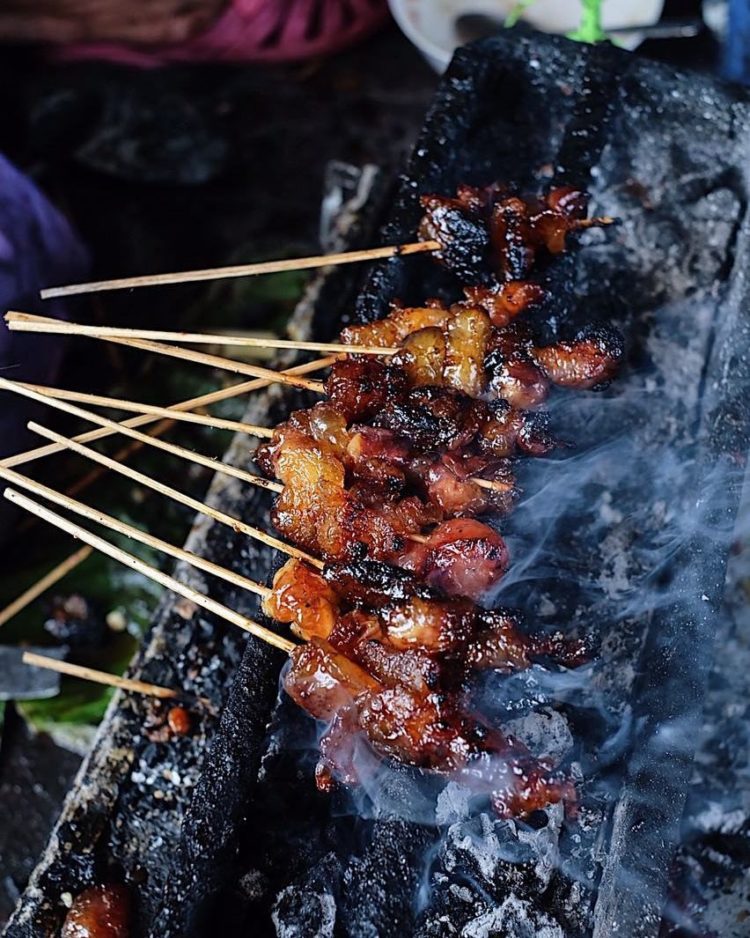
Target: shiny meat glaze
402	444
387	657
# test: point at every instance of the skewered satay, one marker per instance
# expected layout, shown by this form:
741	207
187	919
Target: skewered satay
353	605
490	231
422	728
459	347
391	461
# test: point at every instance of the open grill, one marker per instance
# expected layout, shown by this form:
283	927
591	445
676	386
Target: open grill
664	153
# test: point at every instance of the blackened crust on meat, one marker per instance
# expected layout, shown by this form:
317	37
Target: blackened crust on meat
465	242
432	417
360	388
590	360
371	583
610	343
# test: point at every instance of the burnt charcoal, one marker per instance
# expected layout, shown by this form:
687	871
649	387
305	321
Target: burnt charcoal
309	908
488	876
379	884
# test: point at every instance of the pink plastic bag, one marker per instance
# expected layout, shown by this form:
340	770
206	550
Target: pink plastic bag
255	31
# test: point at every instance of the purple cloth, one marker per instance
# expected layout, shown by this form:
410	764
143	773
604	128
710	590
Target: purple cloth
37	248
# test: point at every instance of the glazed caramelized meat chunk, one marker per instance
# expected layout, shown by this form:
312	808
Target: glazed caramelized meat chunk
313	481
512	373
504	301
510	431
423	356
323	681
589	361
359	388
99	912
431	624
359	635
450	483
303	597
396	326
468	333
461	557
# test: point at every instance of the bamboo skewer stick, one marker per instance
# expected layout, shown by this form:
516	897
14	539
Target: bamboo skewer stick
225	364
48	580
178	553
242	270
135	407
489	484
27	322
215	465
134	563
183	453
99	677
215	361
204	400
199	507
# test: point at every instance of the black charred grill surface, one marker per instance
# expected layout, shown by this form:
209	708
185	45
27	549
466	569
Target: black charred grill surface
622	540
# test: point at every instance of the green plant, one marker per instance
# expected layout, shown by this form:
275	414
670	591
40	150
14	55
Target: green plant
589	30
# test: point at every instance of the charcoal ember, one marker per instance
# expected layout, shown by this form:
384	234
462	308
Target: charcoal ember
490	854
379	883
517	917
488	876
75	622
545	732
99	912
298	911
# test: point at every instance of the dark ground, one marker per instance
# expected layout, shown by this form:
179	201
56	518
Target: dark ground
174	169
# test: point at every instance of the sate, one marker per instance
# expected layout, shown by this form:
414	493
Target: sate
387	479
490	233
388	663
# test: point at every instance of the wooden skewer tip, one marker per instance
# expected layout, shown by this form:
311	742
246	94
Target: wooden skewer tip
242	270
99	677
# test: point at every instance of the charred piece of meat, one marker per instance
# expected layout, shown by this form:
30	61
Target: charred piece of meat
490	231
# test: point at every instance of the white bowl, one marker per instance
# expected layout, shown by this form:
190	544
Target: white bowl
430	24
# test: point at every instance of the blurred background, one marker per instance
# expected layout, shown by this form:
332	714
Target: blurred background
163	135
